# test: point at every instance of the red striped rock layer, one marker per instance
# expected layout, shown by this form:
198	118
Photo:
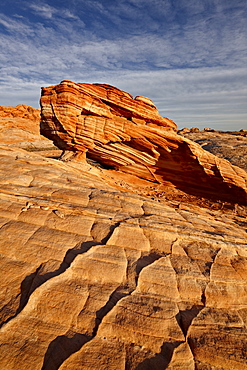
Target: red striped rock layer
130	135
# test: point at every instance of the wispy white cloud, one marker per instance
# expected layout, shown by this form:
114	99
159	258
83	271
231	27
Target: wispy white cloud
45	10
202	97
48	11
14	26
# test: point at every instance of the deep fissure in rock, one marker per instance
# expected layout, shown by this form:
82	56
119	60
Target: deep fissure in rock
62	348
78	340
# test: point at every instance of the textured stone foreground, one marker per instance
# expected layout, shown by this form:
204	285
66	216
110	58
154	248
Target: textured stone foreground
130	135
93	277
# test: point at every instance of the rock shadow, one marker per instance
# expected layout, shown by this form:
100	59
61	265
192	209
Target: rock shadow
181	168
62	348
160	360
103	311
184	317
145	261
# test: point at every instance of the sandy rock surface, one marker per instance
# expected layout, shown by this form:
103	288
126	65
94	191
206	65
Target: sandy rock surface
94	276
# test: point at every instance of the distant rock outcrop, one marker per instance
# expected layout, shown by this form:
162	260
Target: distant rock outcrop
19	127
130	135
20	111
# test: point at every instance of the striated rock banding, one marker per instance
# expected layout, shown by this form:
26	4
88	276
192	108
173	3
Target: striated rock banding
130	135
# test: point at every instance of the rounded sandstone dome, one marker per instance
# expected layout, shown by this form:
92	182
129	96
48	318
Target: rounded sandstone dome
145	100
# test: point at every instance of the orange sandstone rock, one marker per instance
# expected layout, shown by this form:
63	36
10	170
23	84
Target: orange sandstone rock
21	111
130	135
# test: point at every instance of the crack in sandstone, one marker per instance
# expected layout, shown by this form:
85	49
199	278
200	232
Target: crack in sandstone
105	236
146	260
127	289
36	278
186	317
75	342
62	348
5	224
161	360
24	295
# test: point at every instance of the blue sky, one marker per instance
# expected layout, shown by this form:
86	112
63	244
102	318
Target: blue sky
188	56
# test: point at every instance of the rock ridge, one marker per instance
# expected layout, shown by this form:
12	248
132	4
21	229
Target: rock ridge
224	144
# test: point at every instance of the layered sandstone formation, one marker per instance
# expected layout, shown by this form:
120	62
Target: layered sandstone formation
93	277
19	127
130	135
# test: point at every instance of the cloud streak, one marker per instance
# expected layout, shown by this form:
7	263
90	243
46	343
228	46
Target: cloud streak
48	12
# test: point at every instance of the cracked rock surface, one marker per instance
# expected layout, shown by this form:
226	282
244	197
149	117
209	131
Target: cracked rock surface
96	277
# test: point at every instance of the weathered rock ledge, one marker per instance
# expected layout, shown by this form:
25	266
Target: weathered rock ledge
129	135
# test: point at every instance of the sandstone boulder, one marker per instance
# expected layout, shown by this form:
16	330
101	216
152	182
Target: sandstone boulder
130	135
